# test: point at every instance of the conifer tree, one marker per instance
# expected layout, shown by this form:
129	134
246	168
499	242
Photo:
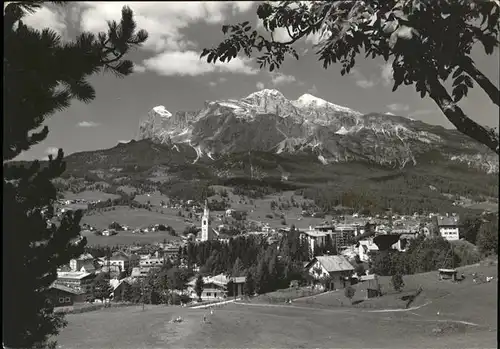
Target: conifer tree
199	286
249	287
42	74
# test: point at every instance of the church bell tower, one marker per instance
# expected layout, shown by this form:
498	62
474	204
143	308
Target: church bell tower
206	230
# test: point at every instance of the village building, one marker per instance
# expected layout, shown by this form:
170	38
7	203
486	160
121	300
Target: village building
141	272
79	281
83	260
207	232
63	296
151	262
120	261
336	268
366	246
448	227
218	287
314	238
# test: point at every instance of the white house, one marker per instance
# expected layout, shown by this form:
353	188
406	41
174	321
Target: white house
77	263
365	247
314	238
448	227
216	287
337	268
151	262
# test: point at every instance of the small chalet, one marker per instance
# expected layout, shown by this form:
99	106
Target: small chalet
337	268
218	287
63	296
448	227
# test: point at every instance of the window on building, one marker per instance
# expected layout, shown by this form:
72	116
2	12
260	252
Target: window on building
61	300
209	294
68	300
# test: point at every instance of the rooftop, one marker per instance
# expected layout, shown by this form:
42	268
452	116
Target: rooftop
447	221
72	275
334	263
66	289
314	233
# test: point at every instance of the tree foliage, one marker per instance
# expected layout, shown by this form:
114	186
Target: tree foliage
42	74
101	288
470	227
249	287
397	282
487	238
349	292
199	286
407	33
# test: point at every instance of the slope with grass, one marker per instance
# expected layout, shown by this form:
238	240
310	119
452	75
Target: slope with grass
253	326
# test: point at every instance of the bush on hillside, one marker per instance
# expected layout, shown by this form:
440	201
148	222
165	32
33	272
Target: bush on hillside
466	252
487	238
397	282
349	292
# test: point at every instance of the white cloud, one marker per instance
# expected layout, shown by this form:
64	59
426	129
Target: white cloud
188	63
50	151
219	81
47	17
361	80
87	124
138	68
281	79
319	37
398	107
260	85
386	73
313	90
164	21
422	112
389	113
123	141
279	34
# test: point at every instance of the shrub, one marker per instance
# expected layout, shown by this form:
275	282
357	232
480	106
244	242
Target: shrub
466	252
349	292
487	238
360	269
397	282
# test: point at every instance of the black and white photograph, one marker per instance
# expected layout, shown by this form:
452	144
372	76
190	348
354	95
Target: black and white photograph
251	174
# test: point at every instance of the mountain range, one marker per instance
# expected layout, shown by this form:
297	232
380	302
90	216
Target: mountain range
267	121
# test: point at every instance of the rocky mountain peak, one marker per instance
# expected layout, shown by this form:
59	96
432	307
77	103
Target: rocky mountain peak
266	120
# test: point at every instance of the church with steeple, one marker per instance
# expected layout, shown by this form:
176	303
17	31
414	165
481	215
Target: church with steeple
207	233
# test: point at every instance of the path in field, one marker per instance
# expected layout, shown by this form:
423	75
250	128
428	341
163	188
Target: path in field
258	325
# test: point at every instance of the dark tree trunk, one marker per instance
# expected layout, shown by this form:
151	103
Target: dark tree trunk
488	87
457	117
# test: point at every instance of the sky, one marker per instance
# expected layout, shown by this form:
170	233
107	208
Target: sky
169	72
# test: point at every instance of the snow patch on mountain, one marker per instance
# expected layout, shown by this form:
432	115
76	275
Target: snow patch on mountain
322	159
265	92
162	111
307	100
342	131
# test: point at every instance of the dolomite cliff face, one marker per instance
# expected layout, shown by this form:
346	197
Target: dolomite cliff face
267	121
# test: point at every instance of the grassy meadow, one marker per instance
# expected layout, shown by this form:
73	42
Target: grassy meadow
467	319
